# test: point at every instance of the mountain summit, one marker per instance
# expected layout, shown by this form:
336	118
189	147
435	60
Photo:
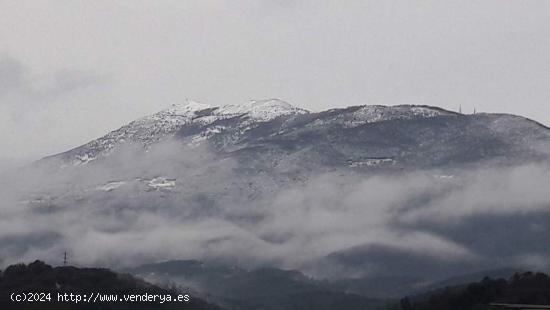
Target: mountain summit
351	192
156	127
358	136
262	110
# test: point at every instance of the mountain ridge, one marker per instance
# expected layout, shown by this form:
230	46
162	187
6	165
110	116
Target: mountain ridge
199	122
402	171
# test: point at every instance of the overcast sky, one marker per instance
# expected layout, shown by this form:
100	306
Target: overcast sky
72	70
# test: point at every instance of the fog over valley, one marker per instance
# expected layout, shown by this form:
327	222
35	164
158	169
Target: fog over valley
275	154
248	198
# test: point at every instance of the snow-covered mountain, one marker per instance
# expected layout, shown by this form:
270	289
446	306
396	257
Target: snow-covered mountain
357	191
261	147
358	136
166	123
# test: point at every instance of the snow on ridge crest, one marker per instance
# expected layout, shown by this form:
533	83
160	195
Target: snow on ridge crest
163	124
262	110
188	107
166	123
153	128
377	113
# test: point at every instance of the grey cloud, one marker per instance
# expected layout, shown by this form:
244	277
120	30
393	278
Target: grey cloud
16	79
488	192
314	54
13	76
37	110
106	213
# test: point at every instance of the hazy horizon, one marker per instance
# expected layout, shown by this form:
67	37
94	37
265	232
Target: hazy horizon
72	71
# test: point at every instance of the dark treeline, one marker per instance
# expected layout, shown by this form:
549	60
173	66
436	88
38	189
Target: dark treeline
522	288
39	277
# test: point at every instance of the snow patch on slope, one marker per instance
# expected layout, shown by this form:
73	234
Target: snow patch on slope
111	186
160	183
376	113
367	114
189	107
166	123
261	110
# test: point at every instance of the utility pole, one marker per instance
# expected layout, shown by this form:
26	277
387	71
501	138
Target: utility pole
65	259
460	109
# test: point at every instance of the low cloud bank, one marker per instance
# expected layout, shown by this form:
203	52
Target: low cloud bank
176	202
